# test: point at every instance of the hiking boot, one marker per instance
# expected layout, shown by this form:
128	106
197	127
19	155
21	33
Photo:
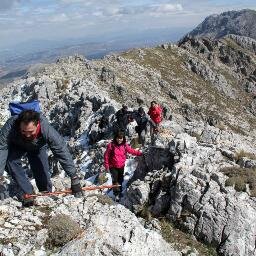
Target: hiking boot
117	198
27	202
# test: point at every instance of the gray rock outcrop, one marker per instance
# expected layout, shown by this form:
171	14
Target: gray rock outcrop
193	193
108	229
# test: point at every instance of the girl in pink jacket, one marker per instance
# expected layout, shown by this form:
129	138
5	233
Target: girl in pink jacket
114	160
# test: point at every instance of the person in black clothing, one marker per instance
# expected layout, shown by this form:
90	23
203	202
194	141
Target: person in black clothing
123	118
99	130
103	127
142	121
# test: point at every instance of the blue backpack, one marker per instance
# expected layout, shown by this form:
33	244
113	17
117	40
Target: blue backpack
17	107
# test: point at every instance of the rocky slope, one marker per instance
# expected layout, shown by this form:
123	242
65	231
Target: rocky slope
208	86
240	23
195	194
106	229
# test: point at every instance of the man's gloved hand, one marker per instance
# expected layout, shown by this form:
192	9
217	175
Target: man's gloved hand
27	201
76	187
3	189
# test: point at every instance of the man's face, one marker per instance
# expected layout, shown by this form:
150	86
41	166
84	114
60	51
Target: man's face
28	131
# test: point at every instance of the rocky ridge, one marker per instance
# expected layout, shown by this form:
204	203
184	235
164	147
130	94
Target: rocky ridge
240	23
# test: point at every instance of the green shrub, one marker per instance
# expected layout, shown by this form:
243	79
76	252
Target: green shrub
103	199
61	230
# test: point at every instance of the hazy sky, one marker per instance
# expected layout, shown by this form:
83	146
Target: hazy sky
22	20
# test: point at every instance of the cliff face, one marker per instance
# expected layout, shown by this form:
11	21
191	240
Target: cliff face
240	23
208	86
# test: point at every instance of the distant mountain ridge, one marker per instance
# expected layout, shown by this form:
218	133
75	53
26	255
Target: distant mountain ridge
241	23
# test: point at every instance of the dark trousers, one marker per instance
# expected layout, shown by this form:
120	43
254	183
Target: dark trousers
142	131
39	164
117	175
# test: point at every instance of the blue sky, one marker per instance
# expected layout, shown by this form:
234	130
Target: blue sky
23	20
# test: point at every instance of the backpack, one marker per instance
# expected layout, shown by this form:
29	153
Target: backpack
17	107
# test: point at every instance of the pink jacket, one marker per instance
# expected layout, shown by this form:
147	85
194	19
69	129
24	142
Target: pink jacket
115	155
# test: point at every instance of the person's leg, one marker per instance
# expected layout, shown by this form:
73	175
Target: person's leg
152	127
142	137
156	130
14	168
120	179
114	175
40	167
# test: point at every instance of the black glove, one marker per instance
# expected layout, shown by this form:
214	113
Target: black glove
76	187
3	189
27	201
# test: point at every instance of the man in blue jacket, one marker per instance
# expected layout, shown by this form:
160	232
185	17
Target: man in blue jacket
29	133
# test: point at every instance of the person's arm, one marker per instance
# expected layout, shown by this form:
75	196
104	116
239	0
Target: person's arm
158	110
106	157
61	152
130	116
4	134
132	151
58	147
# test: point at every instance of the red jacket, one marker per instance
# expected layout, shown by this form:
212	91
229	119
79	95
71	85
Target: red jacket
115	155
155	114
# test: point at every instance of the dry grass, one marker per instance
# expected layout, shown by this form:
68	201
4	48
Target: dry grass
243	153
135	142
62	84
196	135
144	212
181	240
239	177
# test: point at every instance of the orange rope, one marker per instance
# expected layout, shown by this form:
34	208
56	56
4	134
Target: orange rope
26	196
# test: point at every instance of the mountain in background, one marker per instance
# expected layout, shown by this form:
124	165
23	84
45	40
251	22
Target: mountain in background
14	64
241	23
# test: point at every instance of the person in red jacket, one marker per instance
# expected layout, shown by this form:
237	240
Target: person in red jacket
114	160
155	113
